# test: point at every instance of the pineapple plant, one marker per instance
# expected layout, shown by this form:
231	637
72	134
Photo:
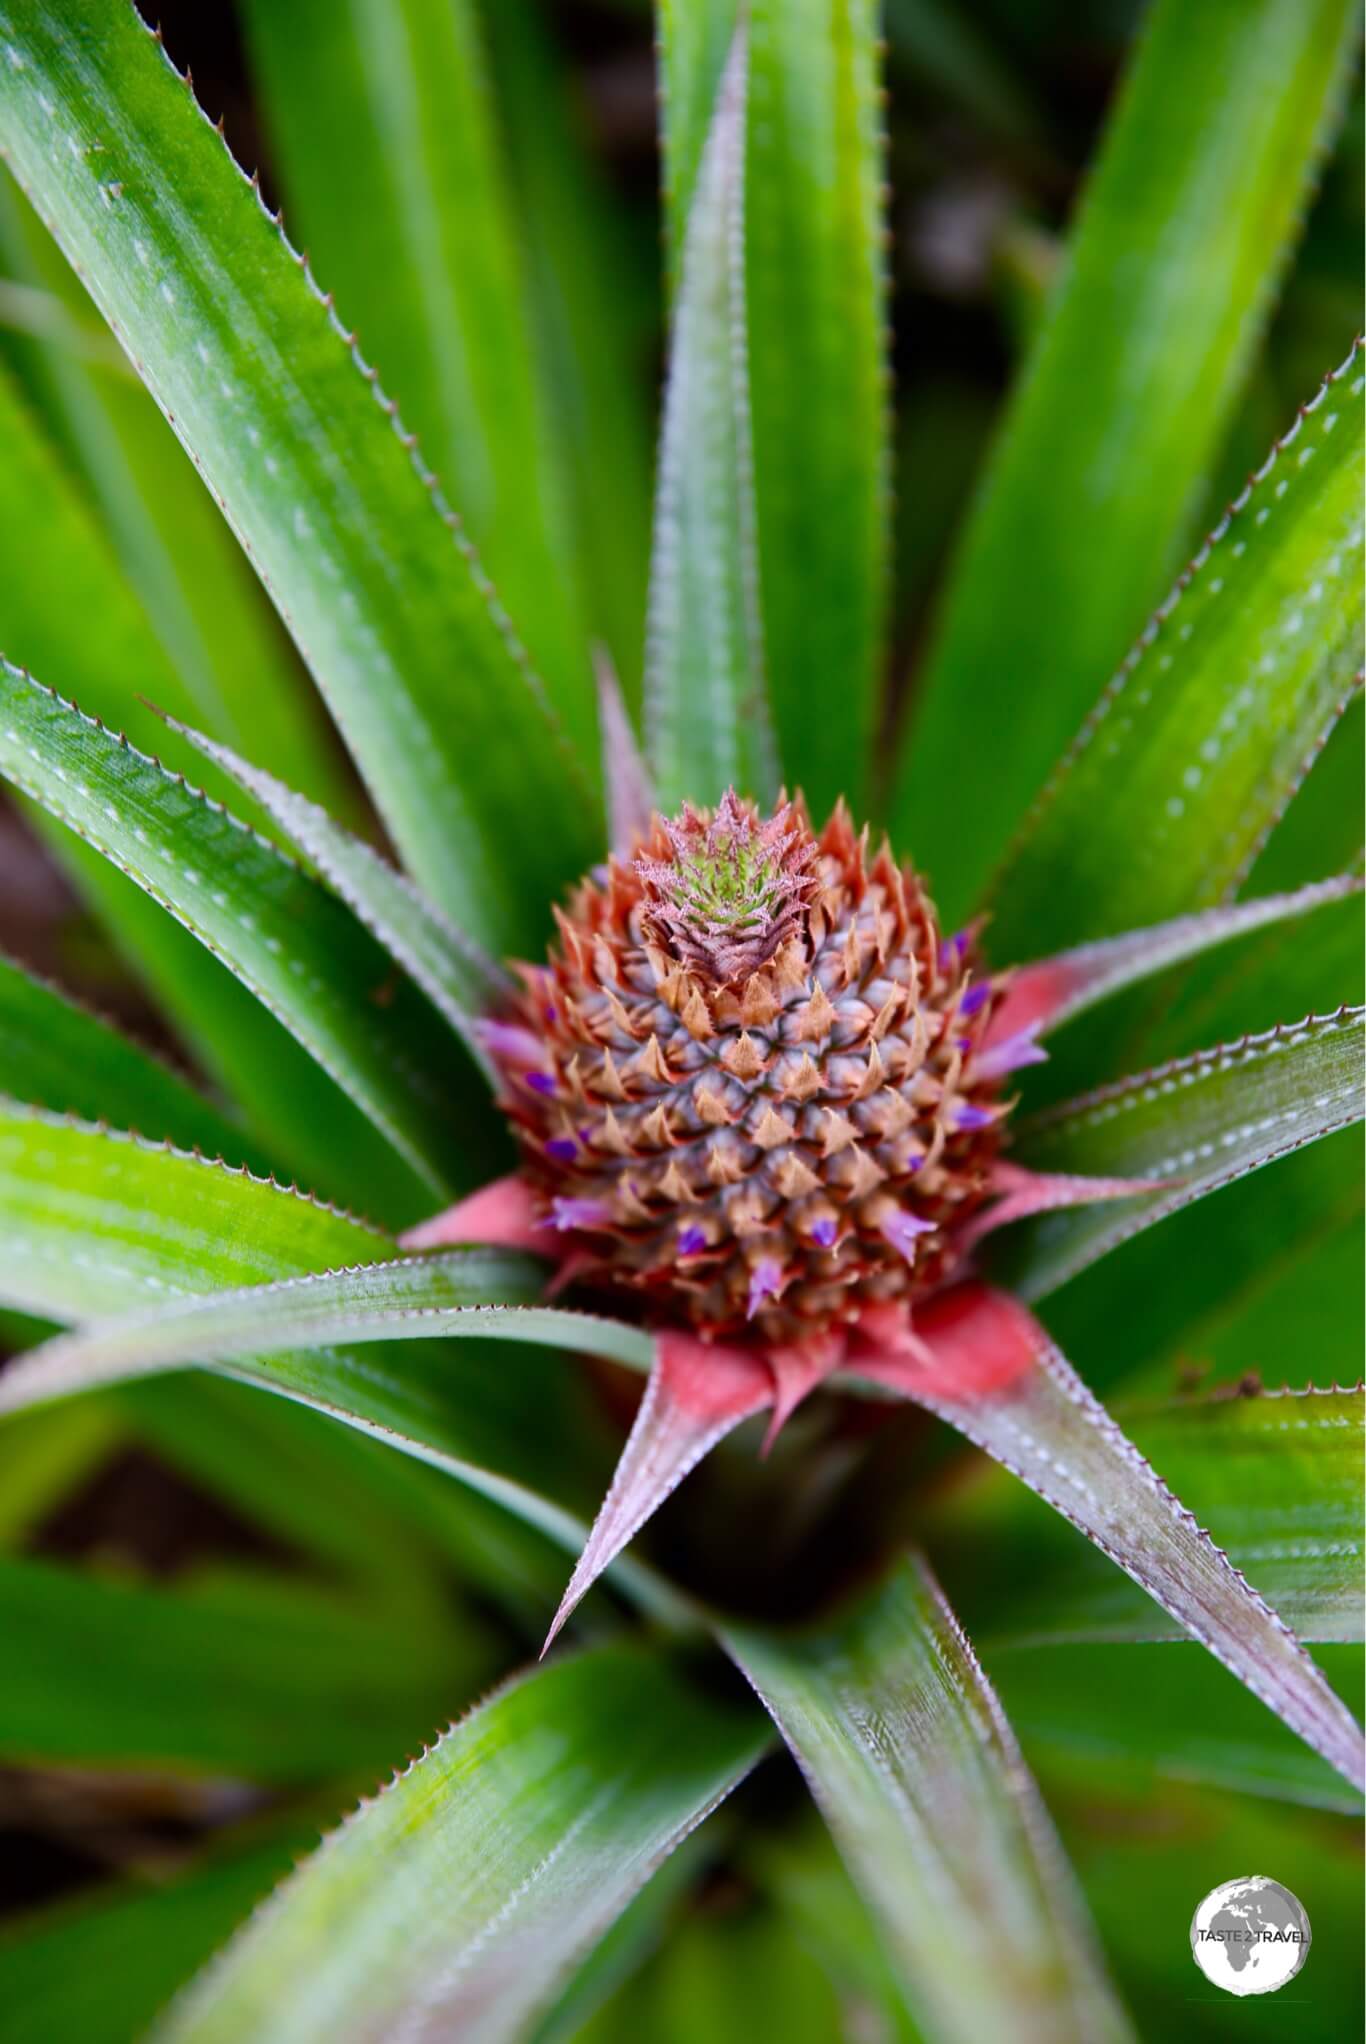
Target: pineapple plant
676	1122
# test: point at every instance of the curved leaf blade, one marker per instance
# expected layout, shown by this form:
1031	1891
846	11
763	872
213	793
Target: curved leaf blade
94	1224
453	1903
198	592
451	971
289	941
55	1053
706	701
1045	1426
99	1223
71	617
1279	1474
1055	990
390	157
1113	427
387	604
1199	1123
464	1292
920	1778
593	309
1199	743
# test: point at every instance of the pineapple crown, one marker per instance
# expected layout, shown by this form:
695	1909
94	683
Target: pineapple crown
736	887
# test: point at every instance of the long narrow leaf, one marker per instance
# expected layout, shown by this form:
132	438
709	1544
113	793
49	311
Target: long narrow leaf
1279	1474
593	304
815	318
393	176
70	616
1043	1423
1084	513
1197	1124
922	1783
450	970
461	1292
97	1223
56	1054
197	589
271	1682
319	482
1054	990
706	702
94	1224
1198	745
455	1901
288	940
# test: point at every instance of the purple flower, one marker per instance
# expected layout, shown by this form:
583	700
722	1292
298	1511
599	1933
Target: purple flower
692	1241
510	1042
1010	1054
976	998
562	1148
579	1213
968	1116
902	1229
764	1281
824	1232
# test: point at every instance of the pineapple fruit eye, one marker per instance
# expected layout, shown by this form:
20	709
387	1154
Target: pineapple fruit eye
750	1079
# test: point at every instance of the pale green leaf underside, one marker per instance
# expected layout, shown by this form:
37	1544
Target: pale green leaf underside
920	1779
1201	1123
272	1682
97	1223
706	700
289	940
464	1292
1197	746
244	354
1278	1474
1084	512
394	180
452	1904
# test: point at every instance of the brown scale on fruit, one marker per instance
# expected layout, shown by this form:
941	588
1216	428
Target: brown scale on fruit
747	1083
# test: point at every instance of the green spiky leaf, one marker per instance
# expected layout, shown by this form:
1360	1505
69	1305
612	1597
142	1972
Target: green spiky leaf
242	350
496	1859
1085	512
920	1779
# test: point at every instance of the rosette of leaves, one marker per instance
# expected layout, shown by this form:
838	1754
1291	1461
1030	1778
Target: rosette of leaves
689	1118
